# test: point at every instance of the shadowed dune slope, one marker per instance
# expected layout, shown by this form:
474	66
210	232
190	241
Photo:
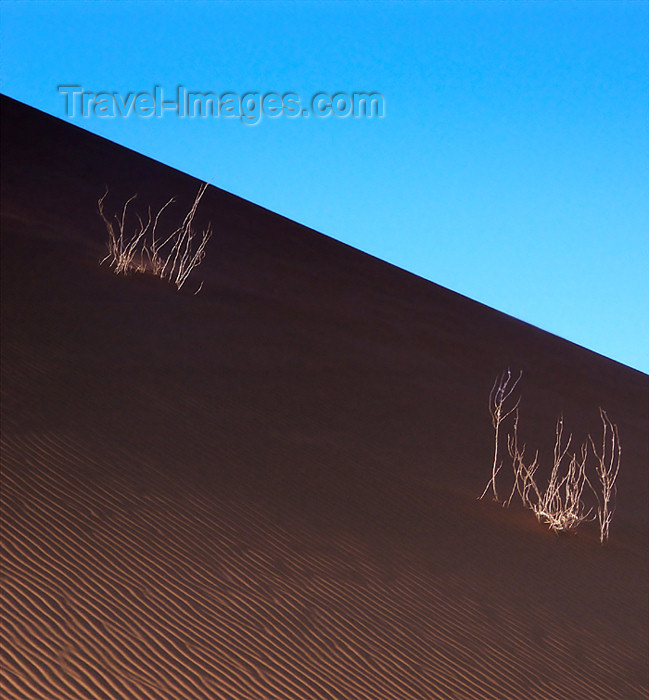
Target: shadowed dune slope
268	489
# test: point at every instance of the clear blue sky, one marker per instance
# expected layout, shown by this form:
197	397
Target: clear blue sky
511	163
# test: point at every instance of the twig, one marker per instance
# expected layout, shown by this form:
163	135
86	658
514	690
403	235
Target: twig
500	393
607	466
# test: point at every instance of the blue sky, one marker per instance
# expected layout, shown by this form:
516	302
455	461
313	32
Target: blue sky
511	163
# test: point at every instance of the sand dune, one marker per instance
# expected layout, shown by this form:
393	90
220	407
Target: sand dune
269	490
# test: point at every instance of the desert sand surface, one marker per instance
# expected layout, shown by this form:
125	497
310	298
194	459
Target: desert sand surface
269	489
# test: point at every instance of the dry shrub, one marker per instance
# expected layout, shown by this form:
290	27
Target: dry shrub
561	503
172	257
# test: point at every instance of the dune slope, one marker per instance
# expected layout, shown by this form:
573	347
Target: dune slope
269	489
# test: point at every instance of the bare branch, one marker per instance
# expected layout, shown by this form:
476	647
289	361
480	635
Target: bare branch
500	394
523	474
607	466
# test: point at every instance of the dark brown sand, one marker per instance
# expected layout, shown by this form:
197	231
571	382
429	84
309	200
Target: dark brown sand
268	490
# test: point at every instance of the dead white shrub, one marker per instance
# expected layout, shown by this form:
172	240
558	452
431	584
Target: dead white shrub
607	466
123	249
172	258
524	482
561	503
499	396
